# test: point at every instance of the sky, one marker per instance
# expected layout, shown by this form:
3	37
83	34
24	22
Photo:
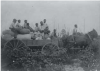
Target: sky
59	14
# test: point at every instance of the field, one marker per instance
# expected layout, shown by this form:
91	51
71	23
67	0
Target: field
62	60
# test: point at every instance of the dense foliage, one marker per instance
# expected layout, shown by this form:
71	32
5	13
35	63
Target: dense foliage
37	61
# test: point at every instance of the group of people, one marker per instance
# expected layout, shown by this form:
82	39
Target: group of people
42	30
16	25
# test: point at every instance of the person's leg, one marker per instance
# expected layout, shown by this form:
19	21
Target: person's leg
15	32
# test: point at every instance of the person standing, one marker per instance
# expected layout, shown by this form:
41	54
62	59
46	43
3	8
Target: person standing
44	23
75	29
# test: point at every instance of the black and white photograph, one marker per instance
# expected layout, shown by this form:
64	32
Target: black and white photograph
50	35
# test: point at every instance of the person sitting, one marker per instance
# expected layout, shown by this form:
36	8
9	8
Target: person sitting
37	28
46	32
25	23
75	29
28	27
54	34
38	36
13	24
13	27
42	27
18	24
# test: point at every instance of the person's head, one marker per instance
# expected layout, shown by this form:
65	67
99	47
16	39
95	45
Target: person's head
25	21
36	24
14	20
75	25
19	21
44	20
41	23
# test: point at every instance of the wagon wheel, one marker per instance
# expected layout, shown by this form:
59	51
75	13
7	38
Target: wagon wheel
15	49
49	49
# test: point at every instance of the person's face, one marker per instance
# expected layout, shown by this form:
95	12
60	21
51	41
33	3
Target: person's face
41	23
37	25
19	21
44	20
75	26
14	21
25	21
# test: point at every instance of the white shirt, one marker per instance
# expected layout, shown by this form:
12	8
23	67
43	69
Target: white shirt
45	24
76	30
18	25
37	28
13	25
25	25
42	27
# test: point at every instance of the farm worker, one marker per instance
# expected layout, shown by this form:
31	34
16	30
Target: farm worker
37	27
28	27
42	27
13	27
44	23
18	24
46	30
13	24
63	33
54	34
75	29
25	23
39	37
